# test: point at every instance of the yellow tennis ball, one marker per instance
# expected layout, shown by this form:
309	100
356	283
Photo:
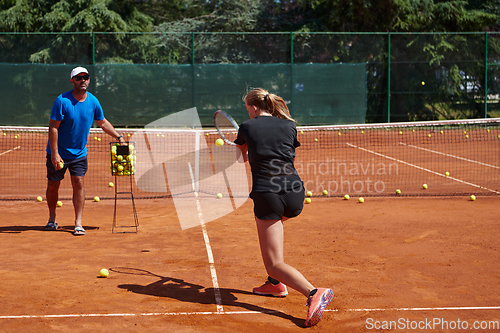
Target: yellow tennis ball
325	192
398	191
423	83
346	197
316	140
473	197
219	195
104	273
308	200
429	135
59	204
111	184
309	193
119	158
446	173
96	199
424	186
361	200
61	165
119	168
39	199
400	132
219	142
95	138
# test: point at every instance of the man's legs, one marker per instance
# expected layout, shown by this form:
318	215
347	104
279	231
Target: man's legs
52	195
78	198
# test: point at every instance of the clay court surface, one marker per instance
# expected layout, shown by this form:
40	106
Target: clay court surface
408	260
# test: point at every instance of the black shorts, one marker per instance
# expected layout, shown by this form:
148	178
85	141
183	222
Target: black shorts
276	205
76	167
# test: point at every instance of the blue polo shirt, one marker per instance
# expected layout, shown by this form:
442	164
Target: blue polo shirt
76	120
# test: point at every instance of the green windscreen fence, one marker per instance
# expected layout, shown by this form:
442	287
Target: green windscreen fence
134	95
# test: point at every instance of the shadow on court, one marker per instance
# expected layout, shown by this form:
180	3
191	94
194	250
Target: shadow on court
17	229
188	292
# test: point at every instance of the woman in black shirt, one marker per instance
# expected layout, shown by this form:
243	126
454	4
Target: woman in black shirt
270	138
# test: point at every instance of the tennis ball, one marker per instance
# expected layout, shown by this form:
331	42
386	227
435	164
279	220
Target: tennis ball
119	168
39	199
219	195
119	158
316	140
15	137
362	132
219	142
61	165
95	137
325	192
424	186
429	135
446	173
104	273
111	184
400	132
473	197
467	136
301	132
309	193
59	204
308	200
99	139
96	199
340	134
398	191
423	83
361	200
346	197
441	132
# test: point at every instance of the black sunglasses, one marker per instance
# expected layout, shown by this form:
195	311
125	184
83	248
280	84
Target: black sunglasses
79	78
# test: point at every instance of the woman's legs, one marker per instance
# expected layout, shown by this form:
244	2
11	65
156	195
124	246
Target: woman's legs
271	245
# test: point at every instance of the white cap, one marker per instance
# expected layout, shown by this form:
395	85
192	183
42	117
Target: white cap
77	71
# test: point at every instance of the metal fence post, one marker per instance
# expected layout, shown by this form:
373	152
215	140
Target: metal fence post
389	77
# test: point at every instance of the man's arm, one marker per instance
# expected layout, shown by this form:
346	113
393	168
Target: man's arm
54	149
109	129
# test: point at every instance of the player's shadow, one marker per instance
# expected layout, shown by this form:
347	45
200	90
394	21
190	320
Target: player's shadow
17	229
188	292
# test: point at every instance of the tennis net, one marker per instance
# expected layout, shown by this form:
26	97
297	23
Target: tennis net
459	157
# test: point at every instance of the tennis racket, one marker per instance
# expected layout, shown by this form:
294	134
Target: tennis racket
225	125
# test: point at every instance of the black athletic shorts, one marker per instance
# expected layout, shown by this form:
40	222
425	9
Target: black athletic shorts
276	205
76	167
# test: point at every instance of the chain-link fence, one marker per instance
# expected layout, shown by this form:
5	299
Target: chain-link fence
326	78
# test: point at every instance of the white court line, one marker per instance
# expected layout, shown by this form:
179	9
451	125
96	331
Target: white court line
424	169
218	298
10	150
449	155
205	313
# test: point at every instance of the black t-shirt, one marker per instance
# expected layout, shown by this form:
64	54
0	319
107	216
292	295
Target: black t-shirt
271	146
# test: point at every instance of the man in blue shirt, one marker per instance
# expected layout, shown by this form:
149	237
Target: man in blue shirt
71	118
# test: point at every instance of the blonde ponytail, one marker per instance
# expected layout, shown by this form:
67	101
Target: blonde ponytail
270	103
